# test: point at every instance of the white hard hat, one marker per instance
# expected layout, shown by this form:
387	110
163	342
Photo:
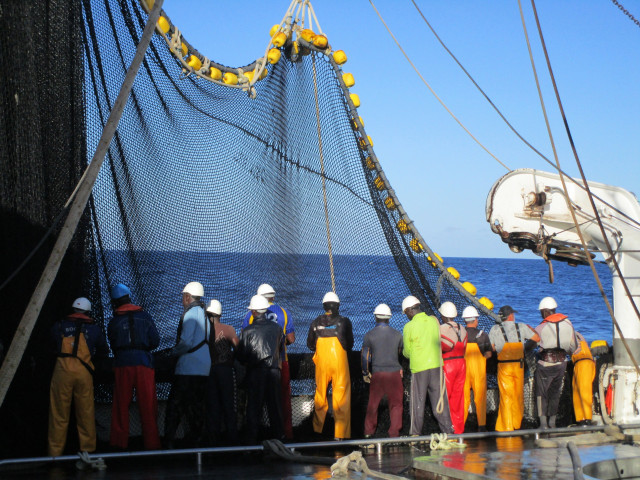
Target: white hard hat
330	297
382	311
547	303
266	290
258	303
409	301
448	309
215	307
194	288
470	313
82	304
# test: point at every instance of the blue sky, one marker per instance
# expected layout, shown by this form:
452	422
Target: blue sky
440	174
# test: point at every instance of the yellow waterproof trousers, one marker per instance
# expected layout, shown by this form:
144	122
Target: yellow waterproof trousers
584	371
332	366
511	387
71	381
476	380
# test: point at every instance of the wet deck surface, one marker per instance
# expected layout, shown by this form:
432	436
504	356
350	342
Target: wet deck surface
503	458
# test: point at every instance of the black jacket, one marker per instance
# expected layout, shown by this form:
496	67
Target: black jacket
331	326
261	344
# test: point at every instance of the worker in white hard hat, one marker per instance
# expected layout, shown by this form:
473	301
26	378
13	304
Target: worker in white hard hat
279	315
453	340
221	386
421	345
557	340
330	337
132	336
260	349
188	392
476	354
511	340
78	340
381	350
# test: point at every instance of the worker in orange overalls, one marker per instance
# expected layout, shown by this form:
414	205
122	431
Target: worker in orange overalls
76	340
331	338
584	371
510	340
453	341
476	354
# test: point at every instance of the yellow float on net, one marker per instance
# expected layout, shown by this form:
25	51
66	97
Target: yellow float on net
249	75
415	245
486	302
379	183
402	226
348	79
355	99
307	35
163	25
215	73
273	56
230	78
264	74
470	287
273	30
184	49
370	164
320	41
390	204
339	57
280	39
433	263
599	343
194	62
454	272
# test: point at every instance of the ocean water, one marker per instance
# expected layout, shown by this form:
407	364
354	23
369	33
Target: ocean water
521	283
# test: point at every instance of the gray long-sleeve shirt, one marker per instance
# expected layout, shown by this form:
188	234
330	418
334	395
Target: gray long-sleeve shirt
381	349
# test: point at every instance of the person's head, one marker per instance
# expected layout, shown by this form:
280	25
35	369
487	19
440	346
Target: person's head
448	311
547	306
382	313
192	292
120	295
331	303
411	306
258	305
507	313
470	316
81	305
214	310
267	292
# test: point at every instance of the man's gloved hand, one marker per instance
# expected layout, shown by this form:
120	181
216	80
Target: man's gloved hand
367	378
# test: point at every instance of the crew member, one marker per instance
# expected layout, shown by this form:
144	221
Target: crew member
330	337
584	371
260	347
221	386
510	340
381	367
453	340
421	345
476	354
557	340
132	335
192	369
277	314
77	339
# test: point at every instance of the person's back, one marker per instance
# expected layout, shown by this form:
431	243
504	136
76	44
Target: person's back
261	344
191	349
422	342
133	336
385	343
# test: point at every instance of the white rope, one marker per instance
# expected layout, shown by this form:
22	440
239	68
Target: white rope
357	463
439	442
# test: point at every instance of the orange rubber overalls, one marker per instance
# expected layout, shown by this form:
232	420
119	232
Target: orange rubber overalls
476	380
332	366
510	384
584	371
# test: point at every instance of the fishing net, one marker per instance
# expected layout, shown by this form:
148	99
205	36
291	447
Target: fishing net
201	183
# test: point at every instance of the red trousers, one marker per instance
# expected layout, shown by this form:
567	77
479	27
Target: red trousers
389	384
143	379
455	374
285	386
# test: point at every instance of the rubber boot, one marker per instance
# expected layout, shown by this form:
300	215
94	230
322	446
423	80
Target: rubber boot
543	422
552	421
482	428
